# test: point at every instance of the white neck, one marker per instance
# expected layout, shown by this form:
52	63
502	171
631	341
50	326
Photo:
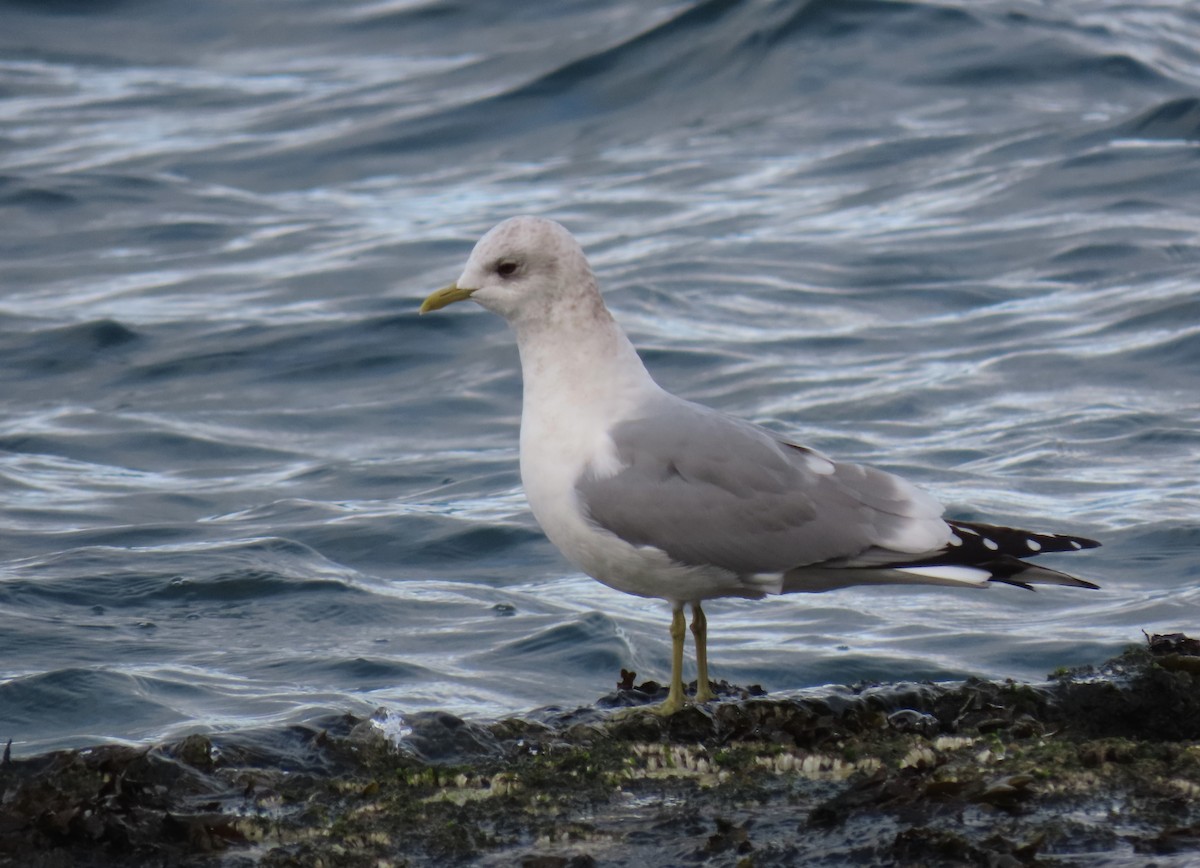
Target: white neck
579	363
581	377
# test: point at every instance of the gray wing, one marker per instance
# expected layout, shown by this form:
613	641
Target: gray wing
709	489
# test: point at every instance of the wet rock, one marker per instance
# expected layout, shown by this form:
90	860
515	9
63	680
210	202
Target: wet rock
988	773
196	751
910	720
439	737
729	837
1171	644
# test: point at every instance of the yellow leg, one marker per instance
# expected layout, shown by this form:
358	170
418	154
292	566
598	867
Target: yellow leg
674	700
704	691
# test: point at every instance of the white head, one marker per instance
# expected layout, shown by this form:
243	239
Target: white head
527	269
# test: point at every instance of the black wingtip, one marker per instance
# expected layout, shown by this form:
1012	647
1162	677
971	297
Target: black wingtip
1014	541
1043	575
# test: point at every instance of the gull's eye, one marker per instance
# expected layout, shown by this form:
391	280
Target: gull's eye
506	268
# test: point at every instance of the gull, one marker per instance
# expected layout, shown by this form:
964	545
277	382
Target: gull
660	497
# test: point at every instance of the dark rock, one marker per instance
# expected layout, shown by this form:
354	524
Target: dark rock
979	773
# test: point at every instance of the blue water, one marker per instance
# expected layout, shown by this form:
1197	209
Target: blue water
242	483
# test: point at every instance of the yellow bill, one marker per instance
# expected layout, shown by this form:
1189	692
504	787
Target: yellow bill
444	296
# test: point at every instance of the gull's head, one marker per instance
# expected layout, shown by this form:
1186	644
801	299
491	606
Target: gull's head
522	268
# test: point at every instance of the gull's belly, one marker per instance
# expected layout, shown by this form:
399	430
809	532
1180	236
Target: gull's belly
644	571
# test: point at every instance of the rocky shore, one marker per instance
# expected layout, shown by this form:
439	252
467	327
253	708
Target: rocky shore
1098	766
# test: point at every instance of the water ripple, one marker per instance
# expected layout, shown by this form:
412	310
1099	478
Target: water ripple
242	482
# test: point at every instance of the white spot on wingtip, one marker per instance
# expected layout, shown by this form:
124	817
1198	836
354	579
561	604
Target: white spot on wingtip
991	544
1034	545
955	540
1075	545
